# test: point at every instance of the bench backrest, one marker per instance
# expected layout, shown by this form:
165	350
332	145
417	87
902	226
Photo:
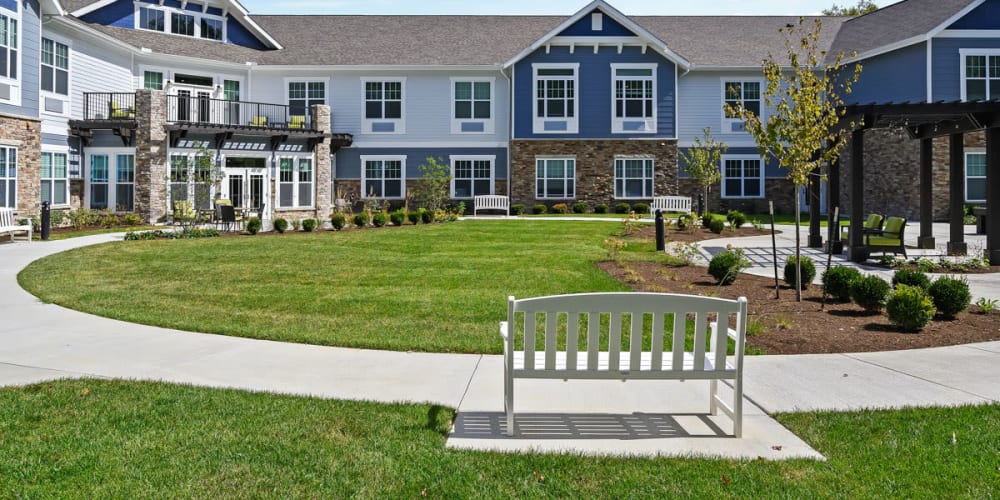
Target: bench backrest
671	204
6	217
569	319
491	201
894	227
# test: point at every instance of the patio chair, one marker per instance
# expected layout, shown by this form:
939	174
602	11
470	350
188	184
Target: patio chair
873	224
889	239
227	218
118	112
258	121
297	121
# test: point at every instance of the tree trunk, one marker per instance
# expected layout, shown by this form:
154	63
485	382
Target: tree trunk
798	246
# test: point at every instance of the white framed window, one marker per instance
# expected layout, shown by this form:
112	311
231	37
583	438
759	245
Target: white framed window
742	176
211	28
634	100
295	182
55	178
111	180
55	67
10	43
8	177
302	94
739	93
151	19
975	177
385	105
180	177
556	107
471	176
383	177
181	22
472	108
980	74
634	178
555	178
152	80
191	180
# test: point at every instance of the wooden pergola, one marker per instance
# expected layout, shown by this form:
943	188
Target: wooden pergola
923	122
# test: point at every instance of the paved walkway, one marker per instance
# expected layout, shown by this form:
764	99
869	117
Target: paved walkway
42	342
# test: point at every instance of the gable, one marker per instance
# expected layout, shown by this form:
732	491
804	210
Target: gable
10	5
592	25
984	17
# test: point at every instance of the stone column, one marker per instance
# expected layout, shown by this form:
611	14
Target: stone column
151	155
323	122
25	134
956	157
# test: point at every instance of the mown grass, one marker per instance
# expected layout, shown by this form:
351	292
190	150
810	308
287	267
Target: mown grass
439	288
103	439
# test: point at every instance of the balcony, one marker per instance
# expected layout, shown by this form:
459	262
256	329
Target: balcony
205	112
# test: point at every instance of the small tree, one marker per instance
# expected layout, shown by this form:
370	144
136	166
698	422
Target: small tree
435	183
863	7
703	162
803	98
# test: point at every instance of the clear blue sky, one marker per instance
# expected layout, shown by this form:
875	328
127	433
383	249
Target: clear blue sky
546	7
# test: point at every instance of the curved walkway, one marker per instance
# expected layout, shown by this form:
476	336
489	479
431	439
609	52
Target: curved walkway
40	342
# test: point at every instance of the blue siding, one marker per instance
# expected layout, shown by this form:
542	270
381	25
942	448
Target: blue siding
947	76
240	35
215	11
583	27
10	5
349	160
984	17
897	76
595	93
29	56
771	168
120	14
59	140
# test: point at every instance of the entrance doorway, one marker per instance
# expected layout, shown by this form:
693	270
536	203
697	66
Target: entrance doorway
246	183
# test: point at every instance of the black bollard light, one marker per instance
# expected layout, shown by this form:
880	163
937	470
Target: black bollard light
660	243
46	220
701	204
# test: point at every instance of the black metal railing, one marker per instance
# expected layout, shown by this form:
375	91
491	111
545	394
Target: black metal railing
203	110
98	106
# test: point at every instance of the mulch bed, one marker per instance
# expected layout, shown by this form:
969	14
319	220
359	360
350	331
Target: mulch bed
696	234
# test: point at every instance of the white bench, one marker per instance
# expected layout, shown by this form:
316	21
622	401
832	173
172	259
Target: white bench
596	316
666	204
7	224
491	202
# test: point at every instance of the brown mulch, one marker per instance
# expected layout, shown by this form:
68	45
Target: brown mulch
695	234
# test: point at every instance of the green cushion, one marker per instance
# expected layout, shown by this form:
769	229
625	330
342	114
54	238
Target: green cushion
894	225
873	221
884	241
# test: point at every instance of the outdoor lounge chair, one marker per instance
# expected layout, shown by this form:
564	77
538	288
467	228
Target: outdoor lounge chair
889	239
258	121
297	121
873	224
118	112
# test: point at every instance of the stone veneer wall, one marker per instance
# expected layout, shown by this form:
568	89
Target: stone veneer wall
321	119
25	134
595	167
151	155
780	191
354	186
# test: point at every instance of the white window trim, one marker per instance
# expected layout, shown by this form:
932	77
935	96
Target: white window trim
618	124
61	151
296	203
402	174
4	149
167	21
15	83
572	124
575	180
490	158
965	174
307	81
44	94
653	178
489	126
112	154
962	54
399	124
727	123
763	175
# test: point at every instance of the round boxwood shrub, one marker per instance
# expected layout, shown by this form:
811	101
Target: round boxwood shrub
397	218
716	225
338	221
736	219
808	271
308	225
838	281
579	208
910	307
725	267
641	208
539	209
950	295
911	278
870	292
622	208
517	209
601	209
413	217
685	221
253	225
280	225
426	216
360	220
379	219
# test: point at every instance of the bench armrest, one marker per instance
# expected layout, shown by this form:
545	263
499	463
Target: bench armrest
503	329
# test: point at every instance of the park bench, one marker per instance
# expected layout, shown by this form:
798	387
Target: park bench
575	327
666	204
491	202
9	226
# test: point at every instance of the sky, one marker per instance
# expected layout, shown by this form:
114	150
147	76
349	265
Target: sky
546	7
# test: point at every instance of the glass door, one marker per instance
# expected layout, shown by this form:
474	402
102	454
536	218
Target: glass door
246	183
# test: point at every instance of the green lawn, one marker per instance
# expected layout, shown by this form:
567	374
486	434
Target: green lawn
101	439
436	288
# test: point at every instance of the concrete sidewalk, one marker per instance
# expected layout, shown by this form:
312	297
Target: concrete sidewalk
42	342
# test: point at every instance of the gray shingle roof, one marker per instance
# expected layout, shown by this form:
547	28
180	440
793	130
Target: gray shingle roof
895	23
74	5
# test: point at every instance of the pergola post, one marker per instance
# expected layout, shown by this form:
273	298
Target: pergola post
956	181
814	194
993	195
832	202
857	251
926	240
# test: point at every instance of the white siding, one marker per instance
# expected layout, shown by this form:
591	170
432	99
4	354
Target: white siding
97	69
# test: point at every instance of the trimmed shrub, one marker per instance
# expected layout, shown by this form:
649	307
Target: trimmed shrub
601	209
910	307
685	221
622	208
641	208
517	209
109	220
397	218
911	278
950	295
838	281
736	219
725	267
379	219
360	220
539	209
808	271
280	225
308	225
129	219
338	221
716	225
413	217
426	216
580	208
870	292
253	225
560	208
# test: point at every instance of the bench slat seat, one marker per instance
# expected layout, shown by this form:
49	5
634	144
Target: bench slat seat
491	202
8	225
681	204
560	370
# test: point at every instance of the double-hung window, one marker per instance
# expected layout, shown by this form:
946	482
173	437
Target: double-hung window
383	176
633	178
152	80
975	177
742	177
111	180
980	75
634	98
555	178
472	106
471	176
304	94
295	182
384	108
179	177
9	43
739	94
124	183
8	177
556	109
55	67
55	179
